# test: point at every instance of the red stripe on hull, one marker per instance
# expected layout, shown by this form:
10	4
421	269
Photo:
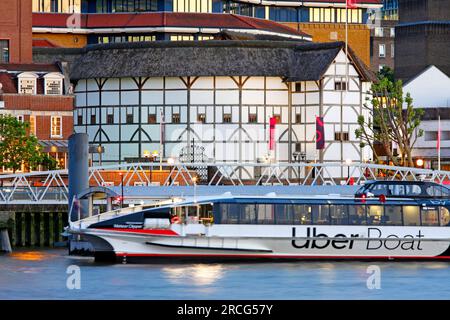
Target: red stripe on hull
156	232
161	255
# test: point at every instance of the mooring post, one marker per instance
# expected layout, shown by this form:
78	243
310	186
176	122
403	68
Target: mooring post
78	172
5	244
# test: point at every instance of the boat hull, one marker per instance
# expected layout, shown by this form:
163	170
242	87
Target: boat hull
281	243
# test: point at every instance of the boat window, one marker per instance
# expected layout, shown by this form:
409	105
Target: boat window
265	213
248	214
430	216
438	191
357	215
379	189
206	212
192	214
320	214
374	215
393	215
229	213
283	214
302	214
338	214
404	190
445	217
411	215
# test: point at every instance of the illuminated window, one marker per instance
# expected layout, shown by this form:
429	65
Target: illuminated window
33	125
61	6
56	127
204	6
227	118
201	117
152	118
175	118
181	38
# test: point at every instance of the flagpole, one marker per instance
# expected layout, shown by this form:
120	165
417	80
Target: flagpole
439	142
346	44
161	132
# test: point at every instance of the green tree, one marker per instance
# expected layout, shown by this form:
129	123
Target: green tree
392	119
386	72
18	148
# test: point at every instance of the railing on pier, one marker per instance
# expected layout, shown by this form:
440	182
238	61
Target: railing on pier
52	186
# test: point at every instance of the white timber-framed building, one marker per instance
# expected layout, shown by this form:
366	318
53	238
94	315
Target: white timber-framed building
220	95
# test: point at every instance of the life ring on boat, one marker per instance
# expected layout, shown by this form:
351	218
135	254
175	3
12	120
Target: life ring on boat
175	219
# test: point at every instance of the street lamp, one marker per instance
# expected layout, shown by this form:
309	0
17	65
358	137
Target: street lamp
348	162
297	158
147	156
194	179
121	187
419	163
170	162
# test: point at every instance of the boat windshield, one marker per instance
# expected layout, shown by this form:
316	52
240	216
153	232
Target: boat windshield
406	190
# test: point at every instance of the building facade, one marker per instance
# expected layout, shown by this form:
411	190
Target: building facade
36	93
15	31
175	98
382	45
430	90
390	10
324	21
422	37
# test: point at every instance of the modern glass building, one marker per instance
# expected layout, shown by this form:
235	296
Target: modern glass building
390	10
282	11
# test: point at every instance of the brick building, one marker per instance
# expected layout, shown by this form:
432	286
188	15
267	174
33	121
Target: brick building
35	93
382	45
15	31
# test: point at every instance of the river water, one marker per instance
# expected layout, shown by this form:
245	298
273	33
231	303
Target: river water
43	274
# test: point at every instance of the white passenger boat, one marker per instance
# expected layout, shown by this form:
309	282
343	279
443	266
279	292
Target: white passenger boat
384	220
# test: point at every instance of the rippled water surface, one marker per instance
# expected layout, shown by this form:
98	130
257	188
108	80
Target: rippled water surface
42	274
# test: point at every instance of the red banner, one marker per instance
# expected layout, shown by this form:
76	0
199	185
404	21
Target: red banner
320	134
272	123
351	4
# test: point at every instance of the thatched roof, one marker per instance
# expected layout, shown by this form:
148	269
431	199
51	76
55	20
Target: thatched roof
295	61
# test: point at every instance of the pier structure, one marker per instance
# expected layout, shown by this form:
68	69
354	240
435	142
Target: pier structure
35	204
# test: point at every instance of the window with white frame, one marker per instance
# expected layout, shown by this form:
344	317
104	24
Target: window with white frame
27	83
20	118
56	127
392	50
378	32
53	83
392	33
382	50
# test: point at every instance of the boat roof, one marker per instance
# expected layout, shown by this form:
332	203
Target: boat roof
274	198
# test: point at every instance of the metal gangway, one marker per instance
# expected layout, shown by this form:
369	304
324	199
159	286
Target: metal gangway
51	187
